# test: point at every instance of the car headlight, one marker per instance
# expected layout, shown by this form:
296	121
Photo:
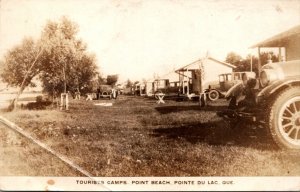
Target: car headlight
263	79
267	76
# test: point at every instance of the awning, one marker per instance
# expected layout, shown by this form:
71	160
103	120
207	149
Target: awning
281	39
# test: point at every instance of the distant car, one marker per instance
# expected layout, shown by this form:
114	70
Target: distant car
273	100
104	91
226	81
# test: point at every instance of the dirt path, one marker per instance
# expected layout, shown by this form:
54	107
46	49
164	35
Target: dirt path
20	157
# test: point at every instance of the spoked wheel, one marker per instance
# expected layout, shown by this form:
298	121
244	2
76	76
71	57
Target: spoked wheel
213	95
284	119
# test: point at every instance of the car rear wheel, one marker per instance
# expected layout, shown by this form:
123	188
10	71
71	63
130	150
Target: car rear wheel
213	95
284	119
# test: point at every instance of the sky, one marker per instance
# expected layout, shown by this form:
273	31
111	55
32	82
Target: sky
139	38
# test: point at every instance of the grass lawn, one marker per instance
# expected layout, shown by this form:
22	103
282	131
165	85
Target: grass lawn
137	137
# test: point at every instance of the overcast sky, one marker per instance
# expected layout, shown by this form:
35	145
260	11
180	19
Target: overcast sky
136	38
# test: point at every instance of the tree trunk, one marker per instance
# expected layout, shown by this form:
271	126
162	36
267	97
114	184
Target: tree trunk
14	102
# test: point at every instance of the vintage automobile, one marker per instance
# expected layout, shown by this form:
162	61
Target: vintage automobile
104	91
163	86
272	100
226	81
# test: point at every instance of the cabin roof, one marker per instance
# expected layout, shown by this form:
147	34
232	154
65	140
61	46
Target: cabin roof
184	68
280	39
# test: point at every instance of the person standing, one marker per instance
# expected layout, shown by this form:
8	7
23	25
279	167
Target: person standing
77	94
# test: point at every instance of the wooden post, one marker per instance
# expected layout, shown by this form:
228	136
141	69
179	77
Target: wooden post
64	101
188	82
202	95
259	61
279	54
182	82
251	62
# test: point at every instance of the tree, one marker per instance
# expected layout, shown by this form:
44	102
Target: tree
233	58
112	79
58	58
101	80
245	64
129	84
18	66
66	65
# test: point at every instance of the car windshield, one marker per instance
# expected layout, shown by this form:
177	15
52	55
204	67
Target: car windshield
237	76
228	77
221	78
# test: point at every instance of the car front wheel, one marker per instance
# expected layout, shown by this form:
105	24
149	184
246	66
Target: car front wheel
213	95
284	119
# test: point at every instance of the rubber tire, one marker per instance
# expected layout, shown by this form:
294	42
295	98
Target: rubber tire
273	116
216	97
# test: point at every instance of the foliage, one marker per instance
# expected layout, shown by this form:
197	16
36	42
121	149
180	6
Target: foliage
66	65
129	83
245	64
18	61
63	63
112	79
233	58
101	80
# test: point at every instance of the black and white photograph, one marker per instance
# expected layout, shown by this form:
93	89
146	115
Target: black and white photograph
150	95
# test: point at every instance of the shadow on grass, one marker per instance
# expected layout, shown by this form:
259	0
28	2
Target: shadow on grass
171	109
219	134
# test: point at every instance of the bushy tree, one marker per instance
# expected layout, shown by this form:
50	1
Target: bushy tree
129	83
58	58
20	65
233	58
245	64
66	64
17	63
112	79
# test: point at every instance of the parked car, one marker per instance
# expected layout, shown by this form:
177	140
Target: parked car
272	100
163	86
104	91
226	81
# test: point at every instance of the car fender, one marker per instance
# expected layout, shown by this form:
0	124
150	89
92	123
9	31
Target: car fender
275	87
234	90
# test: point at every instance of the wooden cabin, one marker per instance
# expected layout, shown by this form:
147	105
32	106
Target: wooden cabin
190	76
